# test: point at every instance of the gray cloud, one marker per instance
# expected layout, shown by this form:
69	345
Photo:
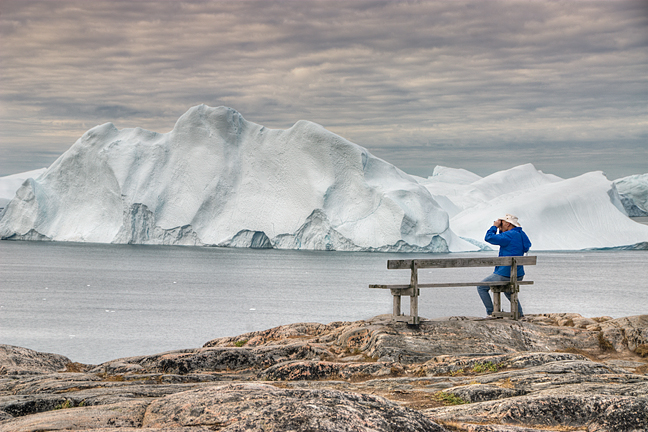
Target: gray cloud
481	85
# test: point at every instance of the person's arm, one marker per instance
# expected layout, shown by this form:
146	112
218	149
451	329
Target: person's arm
497	239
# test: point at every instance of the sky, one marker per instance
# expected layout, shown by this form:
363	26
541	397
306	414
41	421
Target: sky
479	85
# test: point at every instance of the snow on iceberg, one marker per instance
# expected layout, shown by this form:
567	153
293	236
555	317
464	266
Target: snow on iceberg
454	191
217	179
634	194
583	212
459	176
10	184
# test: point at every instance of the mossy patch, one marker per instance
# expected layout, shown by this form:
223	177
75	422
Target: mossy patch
485	367
240	343
449	398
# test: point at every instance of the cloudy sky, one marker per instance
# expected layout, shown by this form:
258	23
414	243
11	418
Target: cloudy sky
480	85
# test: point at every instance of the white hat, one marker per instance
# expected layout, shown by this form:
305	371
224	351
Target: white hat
513	220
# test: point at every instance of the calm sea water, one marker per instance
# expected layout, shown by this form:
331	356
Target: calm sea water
95	302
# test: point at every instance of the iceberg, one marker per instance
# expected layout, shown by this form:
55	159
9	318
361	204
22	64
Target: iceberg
217	179
455	192
584	212
10	184
634	194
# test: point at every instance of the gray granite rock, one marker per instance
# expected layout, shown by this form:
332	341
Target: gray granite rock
260	407
318	370
597	412
124	414
483	392
16	360
214	359
543	371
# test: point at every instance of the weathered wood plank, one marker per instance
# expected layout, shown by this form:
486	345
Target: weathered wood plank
414	309
497	302
508	288
449	285
404	292
415	293
462	284
515	288
397	306
460	262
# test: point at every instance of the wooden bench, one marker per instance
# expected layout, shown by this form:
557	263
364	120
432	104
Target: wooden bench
511	286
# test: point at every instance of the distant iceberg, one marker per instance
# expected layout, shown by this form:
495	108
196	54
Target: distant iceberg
633	191
583	212
10	184
455	192
219	180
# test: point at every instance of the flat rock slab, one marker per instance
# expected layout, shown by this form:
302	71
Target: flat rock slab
260	407
125	414
545	371
16	360
599	413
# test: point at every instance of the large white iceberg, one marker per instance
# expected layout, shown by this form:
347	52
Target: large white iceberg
217	179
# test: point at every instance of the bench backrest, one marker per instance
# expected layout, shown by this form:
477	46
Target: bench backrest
460	262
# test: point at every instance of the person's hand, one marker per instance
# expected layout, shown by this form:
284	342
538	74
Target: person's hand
498	223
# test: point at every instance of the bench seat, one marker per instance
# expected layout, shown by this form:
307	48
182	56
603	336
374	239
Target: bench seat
412	290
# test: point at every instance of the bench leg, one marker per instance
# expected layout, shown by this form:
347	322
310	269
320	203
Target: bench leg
414	318
414	309
397	305
497	302
513	298
514	306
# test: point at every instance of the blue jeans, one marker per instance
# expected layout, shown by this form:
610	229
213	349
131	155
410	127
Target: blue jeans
484	292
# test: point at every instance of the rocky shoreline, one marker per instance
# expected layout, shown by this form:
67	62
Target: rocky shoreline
559	372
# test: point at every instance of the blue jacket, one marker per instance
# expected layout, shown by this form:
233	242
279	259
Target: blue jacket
513	242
